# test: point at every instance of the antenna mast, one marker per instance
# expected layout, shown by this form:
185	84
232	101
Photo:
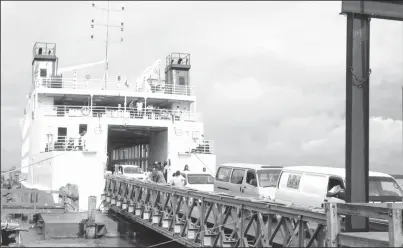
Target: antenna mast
106	47
107	26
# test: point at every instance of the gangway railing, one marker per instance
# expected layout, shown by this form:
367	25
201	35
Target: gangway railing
196	218
391	212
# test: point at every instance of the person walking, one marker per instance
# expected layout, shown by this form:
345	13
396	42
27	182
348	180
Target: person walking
131	108
166	168
160	175
178	180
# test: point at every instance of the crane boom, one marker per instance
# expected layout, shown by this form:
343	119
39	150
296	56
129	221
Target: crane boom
153	70
77	67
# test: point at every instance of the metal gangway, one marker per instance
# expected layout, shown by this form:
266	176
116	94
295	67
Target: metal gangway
201	219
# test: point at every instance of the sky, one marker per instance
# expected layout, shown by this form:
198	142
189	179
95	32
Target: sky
270	76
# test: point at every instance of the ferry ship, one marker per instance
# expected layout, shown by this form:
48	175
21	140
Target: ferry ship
76	128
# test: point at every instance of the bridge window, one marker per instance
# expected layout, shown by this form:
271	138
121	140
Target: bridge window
82	128
237	176
223	174
43	73
62	131
181	80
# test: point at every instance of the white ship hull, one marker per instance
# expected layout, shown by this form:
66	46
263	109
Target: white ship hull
59	110
86	169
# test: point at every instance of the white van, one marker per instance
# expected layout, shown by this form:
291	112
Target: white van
246	180
311	186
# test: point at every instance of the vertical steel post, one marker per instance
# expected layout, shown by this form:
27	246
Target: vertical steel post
357	116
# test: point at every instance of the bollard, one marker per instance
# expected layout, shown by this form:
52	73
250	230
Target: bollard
165	222
192	233
146	215
90	231
131	208
118	203
208	239
124	206
156	219
92	204
108	199
178	228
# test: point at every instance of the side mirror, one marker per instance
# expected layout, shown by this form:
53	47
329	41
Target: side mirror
331	194
342	194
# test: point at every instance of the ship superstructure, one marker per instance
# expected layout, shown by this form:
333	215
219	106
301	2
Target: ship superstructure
76	128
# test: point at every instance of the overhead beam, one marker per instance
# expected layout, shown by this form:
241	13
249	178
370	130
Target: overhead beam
389	10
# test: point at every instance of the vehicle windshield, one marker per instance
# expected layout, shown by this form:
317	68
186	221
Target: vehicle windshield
200	179
268	178
384	186
132	170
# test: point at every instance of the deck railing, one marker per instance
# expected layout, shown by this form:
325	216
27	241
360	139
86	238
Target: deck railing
43	49
118	112
98	84
206	147
65	143
178	59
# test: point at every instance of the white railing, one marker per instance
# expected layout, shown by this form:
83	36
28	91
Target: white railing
64	143
97	84
206	147
118	112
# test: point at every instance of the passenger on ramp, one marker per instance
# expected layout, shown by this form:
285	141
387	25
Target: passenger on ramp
160	175
156	175
178	180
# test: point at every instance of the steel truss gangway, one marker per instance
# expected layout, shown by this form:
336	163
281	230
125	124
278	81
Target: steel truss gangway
200	219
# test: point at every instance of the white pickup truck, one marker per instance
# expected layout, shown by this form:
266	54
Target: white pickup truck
130	171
